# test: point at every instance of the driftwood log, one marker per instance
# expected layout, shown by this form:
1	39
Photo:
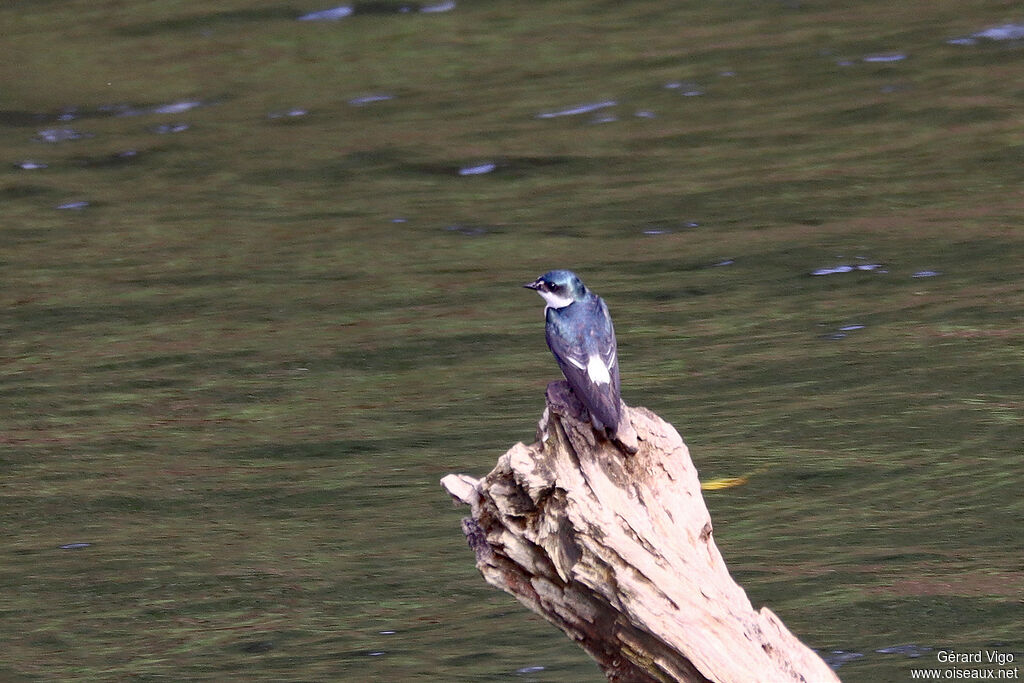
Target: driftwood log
617	551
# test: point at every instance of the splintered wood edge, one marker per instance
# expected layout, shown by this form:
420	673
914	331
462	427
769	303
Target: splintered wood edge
462	487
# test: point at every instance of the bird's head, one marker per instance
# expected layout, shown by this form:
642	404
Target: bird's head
559	288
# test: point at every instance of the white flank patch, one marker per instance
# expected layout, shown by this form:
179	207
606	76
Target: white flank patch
597	371
555	301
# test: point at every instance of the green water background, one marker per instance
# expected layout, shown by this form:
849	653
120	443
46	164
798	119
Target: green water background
240	370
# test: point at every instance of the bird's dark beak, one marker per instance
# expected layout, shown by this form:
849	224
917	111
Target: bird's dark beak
533	285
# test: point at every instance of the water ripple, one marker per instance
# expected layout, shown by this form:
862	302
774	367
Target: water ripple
910	650
343	11
836	658
332	14
288	114
685	89
1003	32
529	670
845	268
54	135
439	7
578	109
370	99
478	169
884	58
167	128
176	107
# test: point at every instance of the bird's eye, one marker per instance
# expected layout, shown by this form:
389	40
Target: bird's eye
553	287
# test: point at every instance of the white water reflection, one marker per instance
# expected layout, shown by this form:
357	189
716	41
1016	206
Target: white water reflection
578	109
332	14
997	33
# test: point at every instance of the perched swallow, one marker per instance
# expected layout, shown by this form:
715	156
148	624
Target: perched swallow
580	334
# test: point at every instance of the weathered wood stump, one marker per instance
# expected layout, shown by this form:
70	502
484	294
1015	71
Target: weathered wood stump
617	551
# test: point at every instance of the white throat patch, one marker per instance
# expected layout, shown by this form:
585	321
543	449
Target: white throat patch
554	300
597	371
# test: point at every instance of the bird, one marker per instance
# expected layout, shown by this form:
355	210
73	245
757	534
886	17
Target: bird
579	332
